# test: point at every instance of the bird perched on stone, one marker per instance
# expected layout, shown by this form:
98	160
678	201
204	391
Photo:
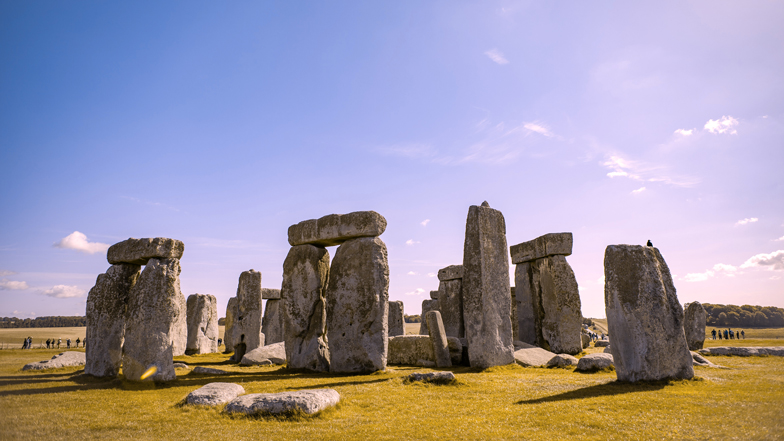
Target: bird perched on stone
649	244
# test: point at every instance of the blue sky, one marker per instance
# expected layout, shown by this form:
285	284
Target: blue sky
221	124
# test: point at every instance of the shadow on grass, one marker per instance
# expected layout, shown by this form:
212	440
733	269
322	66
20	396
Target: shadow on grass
601	390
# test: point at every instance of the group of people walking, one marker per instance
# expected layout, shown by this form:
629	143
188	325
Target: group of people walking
52	343
728	334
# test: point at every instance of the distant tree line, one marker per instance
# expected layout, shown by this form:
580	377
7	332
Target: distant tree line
43	322
412	318
744	316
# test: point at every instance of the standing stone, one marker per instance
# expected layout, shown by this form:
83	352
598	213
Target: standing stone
644	317
526	305
357	296
156	329
397	324
106	310
486	291
248	319
272	324
427	305
228	329
202	322
560	303
438	339
305	275
450	300
694	321
513	315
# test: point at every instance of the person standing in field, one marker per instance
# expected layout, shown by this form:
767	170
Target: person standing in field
77	342
713	335
59	340
68	343
743	334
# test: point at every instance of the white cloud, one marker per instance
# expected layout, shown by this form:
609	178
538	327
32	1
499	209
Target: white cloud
617	174
411	273
699	277
725	124
12	285
748	220
639	190
78	241
416	292
684	132
63	291
4	273
640	171
600	281
538	128
780	239
16	312
431	274
774	260
724	268
719	268
411	242
497	56
425	222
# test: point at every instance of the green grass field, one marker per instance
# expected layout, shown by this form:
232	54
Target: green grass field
507	402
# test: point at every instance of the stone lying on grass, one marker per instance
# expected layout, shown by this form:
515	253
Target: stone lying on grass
180	366
602	343
607	350
533	357
432	377
208	371
213	394
308	401
64	359
413	349
562	360
744	352
595	362
270	354
699	360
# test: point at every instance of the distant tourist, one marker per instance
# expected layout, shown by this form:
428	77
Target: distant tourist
77	342
29	342
59	340
719	335
68	343
24	344
220	341
743	334
713	334
726	335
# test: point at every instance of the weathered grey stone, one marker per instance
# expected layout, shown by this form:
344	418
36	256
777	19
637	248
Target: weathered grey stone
694	321
532	357
247	322
562	360
551	244
308	401
396	322
208	371
228	330
156	328
438	339
305	274
431	377
434	295
64	359
427	305
270	294
644	316
601	343
607	350
357	295
275	353
414	349
513	314
106	309
139	251
699	360
777	351
272	324
180	366
526	303
560	304
586	339
595	362
334	229
202	319
486	295
451	272
450	305
213	394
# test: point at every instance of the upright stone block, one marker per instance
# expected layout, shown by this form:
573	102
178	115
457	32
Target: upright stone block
272	323
427	305
202	320
247	326
528	305
232	309
305	275
438	339
156	328
357	296
486	291
334	229
694	321
434	295
397	324
644	317
106	309
513	314
139	251
450	304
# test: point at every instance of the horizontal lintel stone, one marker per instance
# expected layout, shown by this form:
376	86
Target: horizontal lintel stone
139	251
335	229
450	273
551	244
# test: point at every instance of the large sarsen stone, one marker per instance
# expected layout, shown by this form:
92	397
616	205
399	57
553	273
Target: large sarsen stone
247	322
395	318
694	320
335	229
202	322
139	251
228	330
427	305
272	323
308	401
450	304
551	244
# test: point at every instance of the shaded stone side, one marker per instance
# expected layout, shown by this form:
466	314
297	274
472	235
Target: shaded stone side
397	324
305	275
644	317
550	244
513	314
486	290
450	304
107	305
357	296
560	300
228	329
156	328
694	320
438	339
247	324
527	305
272	323
451	272
427	305
202	322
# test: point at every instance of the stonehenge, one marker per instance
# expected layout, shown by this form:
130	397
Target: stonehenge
272	322
450	300
644	316
438	339
548	300
202	320
246	328
694	320
228	330
395	320
427	305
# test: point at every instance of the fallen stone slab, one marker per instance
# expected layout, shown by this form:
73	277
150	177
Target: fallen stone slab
274	353
595	362
431	377
451	272
601	343
64	359
139	251
562	360
180	366
777	351
208	371
533	357
213	394
308	401
417	350
699	360
334	229
552	244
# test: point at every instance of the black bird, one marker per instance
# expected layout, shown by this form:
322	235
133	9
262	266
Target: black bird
649	244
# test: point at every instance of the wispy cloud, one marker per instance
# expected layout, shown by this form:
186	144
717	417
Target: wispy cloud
600	280
774	261
538	128
4	273
684	132
748	220
411	242
78	241
644	172
411	273
416	292
497	56
725	124
63	291
425	222
12	285
780	239
431	274
639	190
719	268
